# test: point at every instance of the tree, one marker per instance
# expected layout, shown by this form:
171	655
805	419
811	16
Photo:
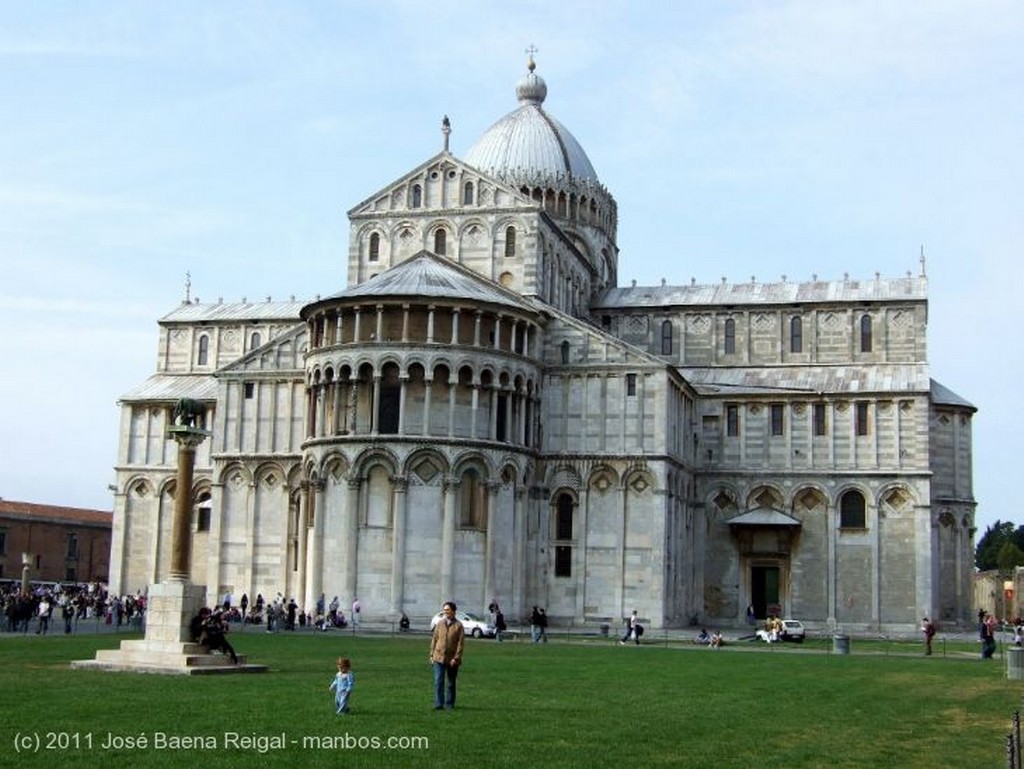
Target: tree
1009	556
986	554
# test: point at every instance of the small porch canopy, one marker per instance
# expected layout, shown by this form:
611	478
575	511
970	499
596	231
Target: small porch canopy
764	516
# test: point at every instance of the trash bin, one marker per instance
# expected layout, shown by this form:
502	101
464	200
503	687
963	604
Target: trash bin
1015	663
604	629
840	644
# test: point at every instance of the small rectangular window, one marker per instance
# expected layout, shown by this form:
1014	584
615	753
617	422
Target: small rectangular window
250	390
777	415
563	561
862	418
630	384
796	334
732	420
3	542
820	425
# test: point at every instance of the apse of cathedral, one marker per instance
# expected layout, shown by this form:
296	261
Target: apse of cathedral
484	414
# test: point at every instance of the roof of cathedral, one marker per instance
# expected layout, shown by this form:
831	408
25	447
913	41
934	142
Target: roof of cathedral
766	293
171	387
529	142
428	275
943	396
812	380
269	310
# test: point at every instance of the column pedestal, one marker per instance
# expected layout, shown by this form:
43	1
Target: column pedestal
167	647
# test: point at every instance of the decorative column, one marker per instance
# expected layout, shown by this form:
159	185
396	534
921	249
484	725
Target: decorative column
353	399
375	405
489	556
492	421
428	388
455	325
472	414
403	382
453	386
188	440
399	497
302	538
451	491
350	532
314	544
519	512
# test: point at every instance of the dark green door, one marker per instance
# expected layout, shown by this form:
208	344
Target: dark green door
764	589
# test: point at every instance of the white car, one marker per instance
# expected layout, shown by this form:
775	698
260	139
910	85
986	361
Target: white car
471	624
792	630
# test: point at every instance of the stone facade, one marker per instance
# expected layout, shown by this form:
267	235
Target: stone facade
483	414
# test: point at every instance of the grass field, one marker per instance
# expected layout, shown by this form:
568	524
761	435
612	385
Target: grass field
561	704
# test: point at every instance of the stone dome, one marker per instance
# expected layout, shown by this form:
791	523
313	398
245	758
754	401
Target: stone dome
528	143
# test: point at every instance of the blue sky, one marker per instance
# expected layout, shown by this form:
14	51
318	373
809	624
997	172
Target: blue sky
740	139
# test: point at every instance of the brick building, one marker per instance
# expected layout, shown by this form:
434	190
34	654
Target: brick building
63	543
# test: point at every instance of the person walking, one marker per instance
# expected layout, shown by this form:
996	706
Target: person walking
344	682
632	629
988	637
928	628
499	624
356	609
446	644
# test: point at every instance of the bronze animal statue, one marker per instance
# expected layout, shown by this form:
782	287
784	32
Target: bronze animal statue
189	413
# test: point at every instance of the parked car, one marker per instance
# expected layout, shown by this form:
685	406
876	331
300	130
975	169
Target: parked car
473	625
792	630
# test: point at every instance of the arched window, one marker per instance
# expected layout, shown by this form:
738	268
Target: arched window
852	511
666	337
510	242
204	350
440	242
467	194
255	340
374	247
730	336
796	334
865	333
417	196
563	532
204	504
563	517
565	352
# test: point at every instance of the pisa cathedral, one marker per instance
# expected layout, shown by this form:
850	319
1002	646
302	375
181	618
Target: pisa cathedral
484	413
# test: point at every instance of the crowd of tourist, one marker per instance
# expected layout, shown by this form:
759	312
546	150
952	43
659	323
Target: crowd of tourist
58	607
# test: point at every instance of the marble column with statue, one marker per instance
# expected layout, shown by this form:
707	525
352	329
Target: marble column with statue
172	603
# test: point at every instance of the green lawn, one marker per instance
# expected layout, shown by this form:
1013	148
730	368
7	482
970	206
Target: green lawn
556	704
